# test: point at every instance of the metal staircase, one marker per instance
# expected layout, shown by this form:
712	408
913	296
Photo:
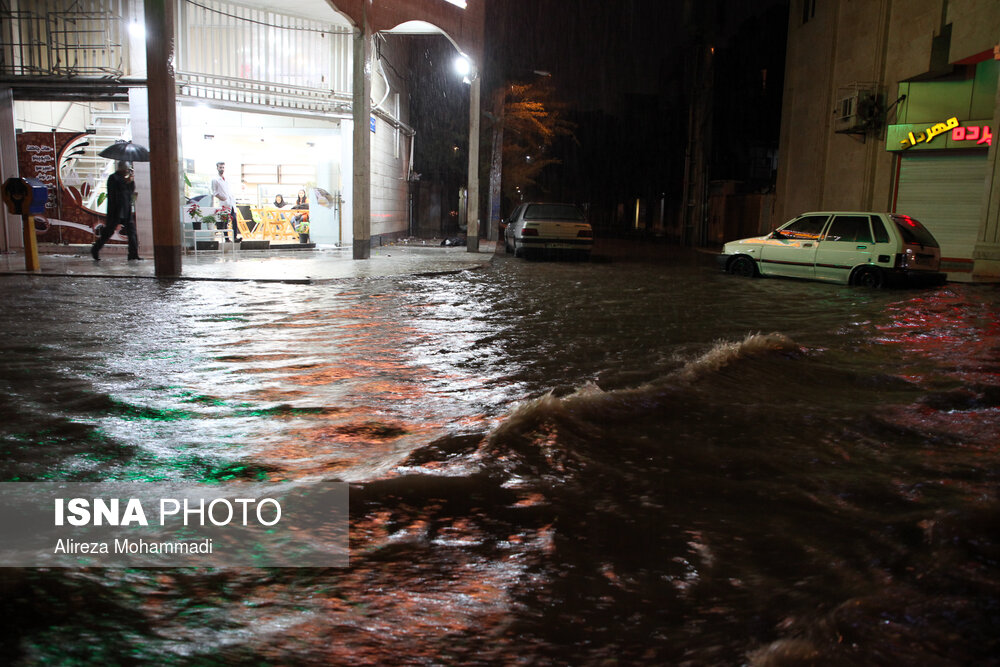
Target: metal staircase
82	163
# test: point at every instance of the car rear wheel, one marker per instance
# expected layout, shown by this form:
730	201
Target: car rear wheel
743	266
869	276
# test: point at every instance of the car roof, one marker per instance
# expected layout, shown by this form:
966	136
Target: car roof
846	213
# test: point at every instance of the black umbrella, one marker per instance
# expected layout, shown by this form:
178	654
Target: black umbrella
127	151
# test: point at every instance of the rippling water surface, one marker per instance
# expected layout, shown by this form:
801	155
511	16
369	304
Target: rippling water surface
551	463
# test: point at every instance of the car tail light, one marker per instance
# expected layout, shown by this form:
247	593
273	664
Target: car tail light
585	233
916	260
528	231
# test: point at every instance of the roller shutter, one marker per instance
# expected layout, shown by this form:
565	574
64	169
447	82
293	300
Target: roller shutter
945	192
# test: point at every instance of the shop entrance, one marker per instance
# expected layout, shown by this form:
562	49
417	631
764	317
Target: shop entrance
284	173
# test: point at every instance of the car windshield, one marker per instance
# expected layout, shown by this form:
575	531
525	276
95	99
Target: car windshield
807	227
553	212
913	231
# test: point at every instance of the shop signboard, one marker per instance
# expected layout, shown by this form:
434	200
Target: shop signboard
949	133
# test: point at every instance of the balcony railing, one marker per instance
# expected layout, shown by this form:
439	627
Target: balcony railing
65	44
232	91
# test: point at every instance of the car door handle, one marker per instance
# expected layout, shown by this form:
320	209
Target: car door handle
862	247
807	245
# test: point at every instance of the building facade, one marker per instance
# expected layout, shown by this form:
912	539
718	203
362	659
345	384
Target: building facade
893	106
273	91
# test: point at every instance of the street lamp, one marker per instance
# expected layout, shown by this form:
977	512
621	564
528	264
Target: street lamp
463	67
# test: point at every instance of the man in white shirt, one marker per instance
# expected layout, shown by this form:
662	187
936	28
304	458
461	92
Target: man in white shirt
221	191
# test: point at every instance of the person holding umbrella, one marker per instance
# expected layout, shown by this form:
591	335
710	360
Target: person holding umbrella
121	190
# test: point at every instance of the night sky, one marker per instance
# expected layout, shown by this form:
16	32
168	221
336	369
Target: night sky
597	51
625	74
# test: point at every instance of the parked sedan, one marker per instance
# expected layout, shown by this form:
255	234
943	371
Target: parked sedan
536	227
851	248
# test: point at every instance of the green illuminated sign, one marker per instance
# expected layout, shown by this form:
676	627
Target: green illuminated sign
949	134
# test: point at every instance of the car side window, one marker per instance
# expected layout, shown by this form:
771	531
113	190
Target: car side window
850	229
881	234
807	227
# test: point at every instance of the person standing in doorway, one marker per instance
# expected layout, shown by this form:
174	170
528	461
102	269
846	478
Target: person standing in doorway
221	192
121	192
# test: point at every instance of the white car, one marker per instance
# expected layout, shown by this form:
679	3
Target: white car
536	227
846	247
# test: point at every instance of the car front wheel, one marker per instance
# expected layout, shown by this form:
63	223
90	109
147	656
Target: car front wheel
743	266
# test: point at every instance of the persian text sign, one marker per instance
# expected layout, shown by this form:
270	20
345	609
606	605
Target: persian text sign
980	134
950	133
118	524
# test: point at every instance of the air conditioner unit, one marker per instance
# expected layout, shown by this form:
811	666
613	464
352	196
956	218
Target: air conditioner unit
856	112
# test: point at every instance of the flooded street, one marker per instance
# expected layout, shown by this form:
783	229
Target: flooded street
550	463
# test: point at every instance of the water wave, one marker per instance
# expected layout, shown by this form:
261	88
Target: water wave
590	404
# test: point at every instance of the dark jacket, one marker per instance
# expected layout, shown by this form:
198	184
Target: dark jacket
119	198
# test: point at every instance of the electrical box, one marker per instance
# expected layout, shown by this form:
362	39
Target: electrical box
25	196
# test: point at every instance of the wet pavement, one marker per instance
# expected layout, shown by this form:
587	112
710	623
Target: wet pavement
414	257
285	266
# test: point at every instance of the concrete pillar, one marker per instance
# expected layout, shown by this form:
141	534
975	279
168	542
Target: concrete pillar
165	187
362	193
8	168
472	215
987	251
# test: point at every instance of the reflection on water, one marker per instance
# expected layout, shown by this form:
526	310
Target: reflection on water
550	462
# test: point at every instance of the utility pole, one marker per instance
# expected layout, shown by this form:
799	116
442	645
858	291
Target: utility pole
496	164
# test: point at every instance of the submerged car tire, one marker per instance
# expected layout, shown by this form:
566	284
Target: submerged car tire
506	247
743	266
869	276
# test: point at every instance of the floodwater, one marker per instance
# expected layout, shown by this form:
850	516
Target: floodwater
551	463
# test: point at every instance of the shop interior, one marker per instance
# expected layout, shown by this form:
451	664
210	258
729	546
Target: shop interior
283	171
